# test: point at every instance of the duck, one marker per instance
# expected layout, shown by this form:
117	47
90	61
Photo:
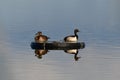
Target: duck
72	38
39	37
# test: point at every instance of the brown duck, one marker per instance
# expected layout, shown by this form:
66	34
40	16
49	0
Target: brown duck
40	37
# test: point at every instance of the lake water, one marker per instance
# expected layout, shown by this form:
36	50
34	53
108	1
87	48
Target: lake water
99	29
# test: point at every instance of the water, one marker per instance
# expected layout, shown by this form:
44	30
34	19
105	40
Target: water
98	22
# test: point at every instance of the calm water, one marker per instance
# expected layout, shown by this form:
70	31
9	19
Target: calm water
99	26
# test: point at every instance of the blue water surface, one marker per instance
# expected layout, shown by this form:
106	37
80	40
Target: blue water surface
99	25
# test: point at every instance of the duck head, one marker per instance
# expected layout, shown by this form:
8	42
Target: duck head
76	30
38	33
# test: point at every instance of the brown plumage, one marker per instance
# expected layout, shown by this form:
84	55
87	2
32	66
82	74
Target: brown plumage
39	53
40	37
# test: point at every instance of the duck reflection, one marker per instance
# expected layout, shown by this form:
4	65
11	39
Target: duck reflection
73	51
40	52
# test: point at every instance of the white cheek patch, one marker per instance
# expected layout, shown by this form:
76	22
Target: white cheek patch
72	39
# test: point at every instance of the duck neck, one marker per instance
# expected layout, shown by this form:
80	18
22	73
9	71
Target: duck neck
76	34
76	57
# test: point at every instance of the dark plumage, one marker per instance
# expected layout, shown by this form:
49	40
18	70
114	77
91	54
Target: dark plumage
72	38
73	51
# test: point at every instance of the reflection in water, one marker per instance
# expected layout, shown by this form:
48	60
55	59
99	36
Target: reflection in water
70	45
73	51
40	52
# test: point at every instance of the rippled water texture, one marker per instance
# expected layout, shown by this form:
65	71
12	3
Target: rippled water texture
99	25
